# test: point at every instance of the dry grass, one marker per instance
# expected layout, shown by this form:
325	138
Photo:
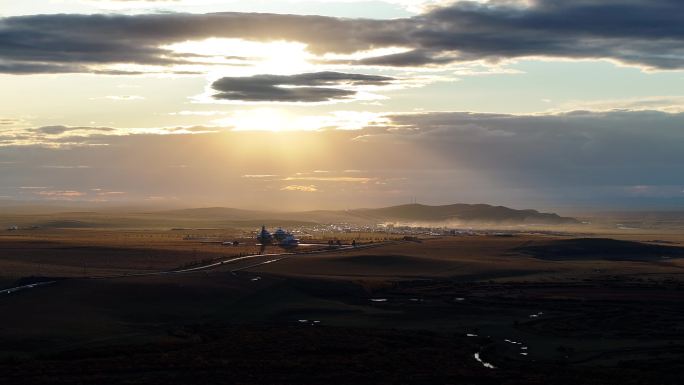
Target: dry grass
465	258
68	253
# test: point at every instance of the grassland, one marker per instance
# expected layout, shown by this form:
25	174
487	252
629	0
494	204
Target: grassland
593	308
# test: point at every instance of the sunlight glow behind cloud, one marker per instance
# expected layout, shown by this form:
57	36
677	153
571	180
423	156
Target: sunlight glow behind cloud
278	119
239	57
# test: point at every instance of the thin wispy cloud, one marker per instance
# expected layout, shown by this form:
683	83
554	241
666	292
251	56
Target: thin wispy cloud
329	179
259	176
120	98
300	188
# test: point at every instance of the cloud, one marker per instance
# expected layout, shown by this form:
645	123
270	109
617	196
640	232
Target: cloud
279	119
570	149
198	113
644	33
52	130
63	167
160	198
309	188
58	130
84	43
640	32
59	136
61	194
121	98
307	87
21	67
329	179
259	176
673	104
111	193
9	122
413	58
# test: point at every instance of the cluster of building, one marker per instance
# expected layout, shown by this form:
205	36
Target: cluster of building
280	237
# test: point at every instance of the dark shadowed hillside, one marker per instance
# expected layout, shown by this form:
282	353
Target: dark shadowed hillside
601	249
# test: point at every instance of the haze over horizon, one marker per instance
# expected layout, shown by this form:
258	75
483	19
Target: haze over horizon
314	104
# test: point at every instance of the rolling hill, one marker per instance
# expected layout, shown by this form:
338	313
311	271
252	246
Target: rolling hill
222	217
409	214
462	213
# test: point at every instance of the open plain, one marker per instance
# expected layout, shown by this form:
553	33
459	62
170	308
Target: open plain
172	306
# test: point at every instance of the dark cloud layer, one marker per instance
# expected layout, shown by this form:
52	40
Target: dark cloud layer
579	148
308	87
68	42
642	32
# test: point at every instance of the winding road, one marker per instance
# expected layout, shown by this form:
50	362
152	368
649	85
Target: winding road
269	258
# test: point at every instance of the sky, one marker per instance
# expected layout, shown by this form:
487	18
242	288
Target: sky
298	104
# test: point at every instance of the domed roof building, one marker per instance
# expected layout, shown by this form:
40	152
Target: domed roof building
264	237
280	234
